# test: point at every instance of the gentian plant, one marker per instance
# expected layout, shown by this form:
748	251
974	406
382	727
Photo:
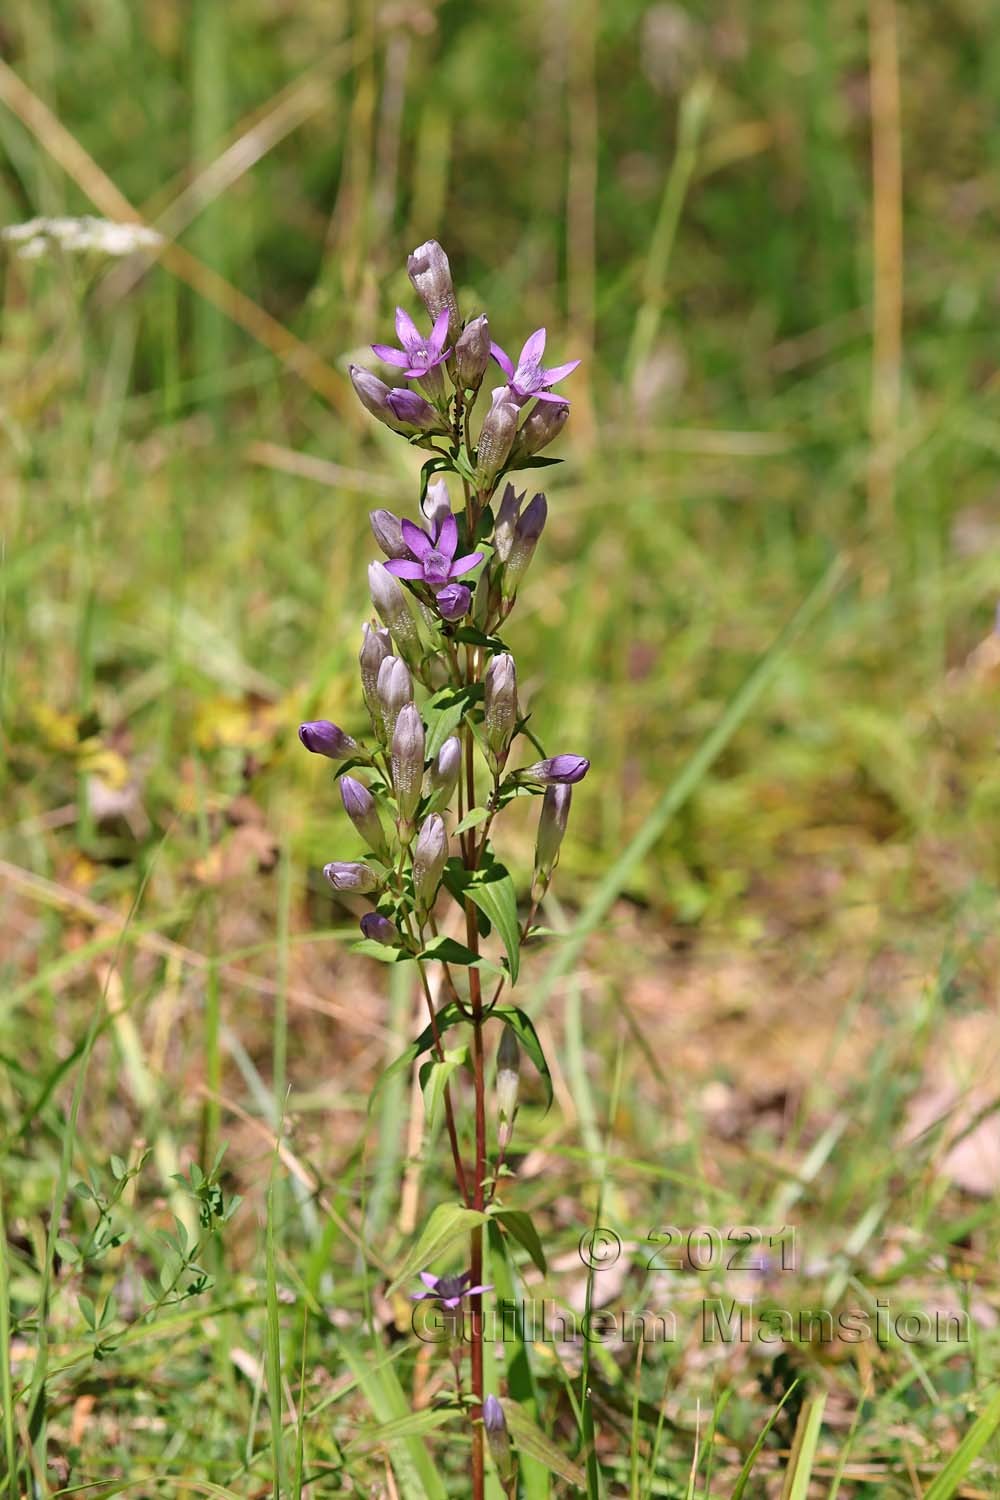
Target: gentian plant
450	748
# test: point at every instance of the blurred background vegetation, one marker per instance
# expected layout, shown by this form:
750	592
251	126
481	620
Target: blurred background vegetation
767	229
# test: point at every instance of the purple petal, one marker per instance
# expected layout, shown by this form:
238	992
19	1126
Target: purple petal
428	1279
464	564
406	330
471	1291
534	348
448	536
418	541
403	568
391	356
503	360
549	396
439	333
559	372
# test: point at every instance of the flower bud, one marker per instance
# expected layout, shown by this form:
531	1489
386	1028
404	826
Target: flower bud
430	273
472	354
500	706
387	530
374	395
498	1438
453	601
393	610
508	1078
380	930
414	412
376	645
496	437
541	427
443	774
359	805
394	688
530	525
561	770
408	763
505	525
324	738
350	876
429	855
436	505
551	828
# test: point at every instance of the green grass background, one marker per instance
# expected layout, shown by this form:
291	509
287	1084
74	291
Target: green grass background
799	954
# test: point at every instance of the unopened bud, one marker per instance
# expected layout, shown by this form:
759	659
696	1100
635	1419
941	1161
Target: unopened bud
540	427
414	412
505	525
530	525
408	762
350	876
430	273
500	706
380	930
324	738
508	1079
560	770
472	354
430	853
498	1438
551	828
394	612
453	601
374	395
395	687
387	530
443	774
376	645
436	505
359	805
496	437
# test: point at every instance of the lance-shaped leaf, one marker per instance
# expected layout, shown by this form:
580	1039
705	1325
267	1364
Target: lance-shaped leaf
520	1225
491	889
448	1224
434	1075
531	1440
445	711
447	1016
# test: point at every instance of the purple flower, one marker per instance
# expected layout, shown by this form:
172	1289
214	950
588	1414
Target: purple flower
434	562
529	378
419	357
450	1291
324	738
413	411
561	770
350	875
379	929
453	601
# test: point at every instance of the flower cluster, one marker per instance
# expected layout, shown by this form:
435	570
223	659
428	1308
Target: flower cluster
442	760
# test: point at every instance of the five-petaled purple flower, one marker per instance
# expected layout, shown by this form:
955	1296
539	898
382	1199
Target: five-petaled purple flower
434	561
450	1291
529	378
419	355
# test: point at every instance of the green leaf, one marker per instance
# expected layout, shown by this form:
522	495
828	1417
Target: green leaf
752	1457
946	1484
434	466
528	1037
447	1016
520	1225
434	1075
449	951
448	1223
444	712
492	890
531	1440
118	1168
469	635
385	955
537	462
798	1475
472	819
89	1311
414	1424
